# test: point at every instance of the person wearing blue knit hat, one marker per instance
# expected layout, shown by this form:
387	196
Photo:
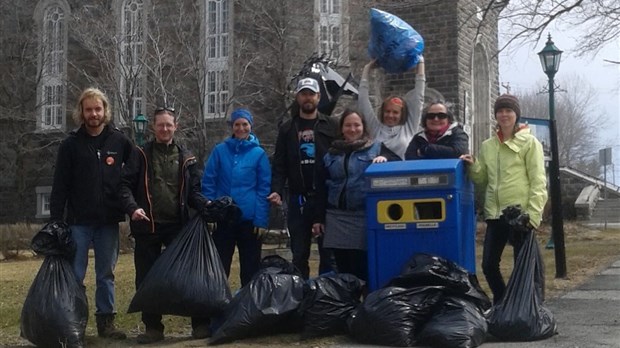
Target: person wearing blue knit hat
238	167
242	113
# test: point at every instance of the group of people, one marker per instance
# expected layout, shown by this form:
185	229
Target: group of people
317	169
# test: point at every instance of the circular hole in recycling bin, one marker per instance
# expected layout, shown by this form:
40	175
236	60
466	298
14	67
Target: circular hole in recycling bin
395	211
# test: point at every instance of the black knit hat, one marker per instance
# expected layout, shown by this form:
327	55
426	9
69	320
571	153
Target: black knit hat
508	101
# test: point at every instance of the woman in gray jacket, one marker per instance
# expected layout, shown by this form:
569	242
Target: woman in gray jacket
398	118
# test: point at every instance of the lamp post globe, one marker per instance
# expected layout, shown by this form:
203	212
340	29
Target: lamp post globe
139	124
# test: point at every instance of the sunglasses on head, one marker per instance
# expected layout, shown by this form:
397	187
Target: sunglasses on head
164	108
439	115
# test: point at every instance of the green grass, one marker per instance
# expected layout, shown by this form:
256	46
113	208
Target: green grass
587	252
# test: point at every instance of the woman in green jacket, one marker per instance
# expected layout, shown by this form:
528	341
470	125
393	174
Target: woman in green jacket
511	170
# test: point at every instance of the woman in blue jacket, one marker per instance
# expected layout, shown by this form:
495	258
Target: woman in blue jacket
342	205
238	167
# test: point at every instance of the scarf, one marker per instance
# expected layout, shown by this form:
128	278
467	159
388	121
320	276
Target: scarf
341	146
433	136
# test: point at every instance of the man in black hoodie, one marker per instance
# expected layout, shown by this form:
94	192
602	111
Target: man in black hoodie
85	195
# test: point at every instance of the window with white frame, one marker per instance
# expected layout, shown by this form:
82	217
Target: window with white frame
331	31
52	55
217	30
43	201
132	55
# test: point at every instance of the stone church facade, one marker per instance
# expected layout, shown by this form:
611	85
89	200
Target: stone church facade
205	57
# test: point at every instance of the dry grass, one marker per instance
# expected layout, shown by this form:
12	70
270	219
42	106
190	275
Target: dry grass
587	251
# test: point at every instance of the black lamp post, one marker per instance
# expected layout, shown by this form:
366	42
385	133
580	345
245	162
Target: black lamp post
139	126
550	60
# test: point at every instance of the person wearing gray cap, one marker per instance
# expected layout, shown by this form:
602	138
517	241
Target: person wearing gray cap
301	144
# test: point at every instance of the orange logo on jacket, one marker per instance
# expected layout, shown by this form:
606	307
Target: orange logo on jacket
109	160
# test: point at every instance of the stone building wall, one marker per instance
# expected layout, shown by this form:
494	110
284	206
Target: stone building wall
263	64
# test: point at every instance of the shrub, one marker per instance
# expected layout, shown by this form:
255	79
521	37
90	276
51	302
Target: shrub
15	238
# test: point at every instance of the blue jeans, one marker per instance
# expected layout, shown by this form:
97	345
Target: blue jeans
300	218
105	242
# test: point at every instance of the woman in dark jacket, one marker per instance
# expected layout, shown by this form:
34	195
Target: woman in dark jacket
441	136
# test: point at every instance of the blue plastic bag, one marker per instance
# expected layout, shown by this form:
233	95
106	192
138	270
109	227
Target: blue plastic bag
393	42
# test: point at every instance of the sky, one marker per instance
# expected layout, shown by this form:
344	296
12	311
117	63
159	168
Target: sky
520	66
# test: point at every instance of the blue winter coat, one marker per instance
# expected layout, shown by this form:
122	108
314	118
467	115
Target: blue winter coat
240	169
345	179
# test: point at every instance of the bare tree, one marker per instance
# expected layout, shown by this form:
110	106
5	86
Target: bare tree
578	120
24	151
597	20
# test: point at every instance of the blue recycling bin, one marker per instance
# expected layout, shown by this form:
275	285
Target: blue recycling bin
418	206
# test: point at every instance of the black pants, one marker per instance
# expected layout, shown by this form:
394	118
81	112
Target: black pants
300	218
229	235
497	235
352	261
147	250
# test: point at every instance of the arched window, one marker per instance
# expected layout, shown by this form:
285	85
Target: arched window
131	68
332	30
217	48
52	62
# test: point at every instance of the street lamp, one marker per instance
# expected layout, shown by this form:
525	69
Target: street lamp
139	126
550	60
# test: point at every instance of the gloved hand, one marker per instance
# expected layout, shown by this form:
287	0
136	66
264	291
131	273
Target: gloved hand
221	209
260	232
519	222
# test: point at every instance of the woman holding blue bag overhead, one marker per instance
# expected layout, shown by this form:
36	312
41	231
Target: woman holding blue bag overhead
398	118
395	47
239	168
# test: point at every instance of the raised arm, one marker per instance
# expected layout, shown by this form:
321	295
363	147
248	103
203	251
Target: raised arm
415	99
363	101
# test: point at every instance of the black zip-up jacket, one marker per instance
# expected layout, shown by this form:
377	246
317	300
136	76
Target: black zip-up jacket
86	179
135	190
452	144
286	159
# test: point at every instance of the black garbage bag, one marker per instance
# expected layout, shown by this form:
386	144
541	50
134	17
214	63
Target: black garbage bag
279	262
54	238
330	301
268	304
456	323
520	314
55	311
188	278
221	209
431	270
392	316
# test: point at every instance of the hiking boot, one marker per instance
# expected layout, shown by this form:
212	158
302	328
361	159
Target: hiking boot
106	328
201	331
150	336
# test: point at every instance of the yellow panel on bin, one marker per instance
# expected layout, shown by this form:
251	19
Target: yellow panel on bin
408	210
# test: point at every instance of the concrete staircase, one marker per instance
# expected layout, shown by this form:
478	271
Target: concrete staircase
609	208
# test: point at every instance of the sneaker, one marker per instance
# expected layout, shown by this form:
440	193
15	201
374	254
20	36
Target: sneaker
202	331
150	336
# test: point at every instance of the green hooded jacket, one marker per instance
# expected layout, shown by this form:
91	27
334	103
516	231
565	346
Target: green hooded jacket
511	172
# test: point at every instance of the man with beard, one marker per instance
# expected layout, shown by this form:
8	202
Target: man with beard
302	142
86	181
